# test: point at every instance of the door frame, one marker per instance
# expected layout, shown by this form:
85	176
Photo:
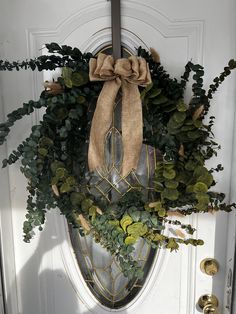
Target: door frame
230	272
8	299
2	290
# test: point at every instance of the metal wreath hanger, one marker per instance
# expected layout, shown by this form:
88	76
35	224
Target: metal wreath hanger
116	28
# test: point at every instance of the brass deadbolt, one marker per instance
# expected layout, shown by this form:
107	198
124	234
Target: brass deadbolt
209	266
209	304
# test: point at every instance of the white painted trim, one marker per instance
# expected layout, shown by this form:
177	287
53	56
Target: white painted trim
6	230
234	286
2	291
229	294
192	30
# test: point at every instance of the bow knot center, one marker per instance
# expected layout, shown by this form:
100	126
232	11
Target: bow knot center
134	69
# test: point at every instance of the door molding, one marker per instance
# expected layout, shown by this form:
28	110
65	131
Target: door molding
8	271
192	30
230	273
6	237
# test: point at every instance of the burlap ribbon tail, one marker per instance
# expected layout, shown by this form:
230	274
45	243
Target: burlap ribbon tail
126	74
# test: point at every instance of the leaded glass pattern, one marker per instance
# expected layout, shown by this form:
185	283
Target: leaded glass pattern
102	273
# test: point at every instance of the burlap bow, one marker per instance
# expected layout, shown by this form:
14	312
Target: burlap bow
127	74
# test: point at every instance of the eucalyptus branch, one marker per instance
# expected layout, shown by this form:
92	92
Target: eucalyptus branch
113	240
218	80
15	154
73	53
18	114
72	58
187	227
186	74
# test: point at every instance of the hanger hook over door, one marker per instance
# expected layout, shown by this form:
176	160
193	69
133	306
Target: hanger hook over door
116	28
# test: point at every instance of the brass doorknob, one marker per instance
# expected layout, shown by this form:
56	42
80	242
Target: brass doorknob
209	304
209	266
210	309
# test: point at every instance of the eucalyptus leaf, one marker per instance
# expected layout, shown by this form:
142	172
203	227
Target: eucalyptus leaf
181	106
135	215
161	99
170	194
169	173
43	151
76	198
154	92
61	173
125	222
137	229
79	78
130	240
200	187
179	117
171	184
65	188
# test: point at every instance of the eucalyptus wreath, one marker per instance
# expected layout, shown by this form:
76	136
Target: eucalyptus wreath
54	156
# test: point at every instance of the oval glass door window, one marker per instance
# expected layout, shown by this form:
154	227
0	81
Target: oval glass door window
100	270
102	273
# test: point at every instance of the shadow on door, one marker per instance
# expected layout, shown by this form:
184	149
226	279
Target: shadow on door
47	291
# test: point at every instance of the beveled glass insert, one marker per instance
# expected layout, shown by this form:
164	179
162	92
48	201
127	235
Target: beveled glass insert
102	273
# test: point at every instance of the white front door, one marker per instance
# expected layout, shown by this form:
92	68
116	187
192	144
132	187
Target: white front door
43	277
